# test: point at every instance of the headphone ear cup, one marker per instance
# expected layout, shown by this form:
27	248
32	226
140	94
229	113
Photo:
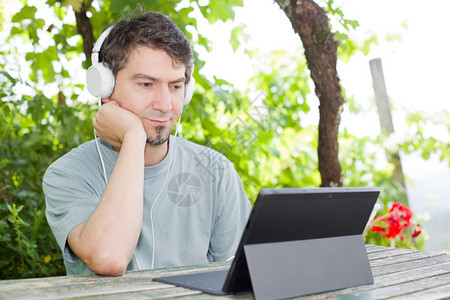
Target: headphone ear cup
100	80
189	91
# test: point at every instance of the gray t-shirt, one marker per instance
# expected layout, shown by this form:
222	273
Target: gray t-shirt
199	217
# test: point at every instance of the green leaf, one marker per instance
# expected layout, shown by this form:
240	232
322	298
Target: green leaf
220	10
26	13
120	6
42	63
236	33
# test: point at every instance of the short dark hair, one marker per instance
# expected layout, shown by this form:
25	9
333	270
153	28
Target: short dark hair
151	29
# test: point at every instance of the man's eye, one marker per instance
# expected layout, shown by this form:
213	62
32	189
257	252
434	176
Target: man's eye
145	84
177	86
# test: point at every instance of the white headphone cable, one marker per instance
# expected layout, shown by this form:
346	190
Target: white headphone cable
160	192
164	184
103	167
98	148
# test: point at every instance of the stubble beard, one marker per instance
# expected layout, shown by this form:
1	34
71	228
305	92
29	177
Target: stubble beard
161	136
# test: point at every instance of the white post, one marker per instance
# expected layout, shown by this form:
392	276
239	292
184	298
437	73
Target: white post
385	116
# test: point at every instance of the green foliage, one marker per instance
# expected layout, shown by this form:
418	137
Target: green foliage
422	138
342	29
221	10
42	116
34	132
260	130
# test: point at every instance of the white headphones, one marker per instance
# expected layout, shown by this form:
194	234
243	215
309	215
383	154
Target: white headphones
100	79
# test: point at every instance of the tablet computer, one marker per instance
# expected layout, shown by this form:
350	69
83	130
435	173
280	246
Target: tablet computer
287	214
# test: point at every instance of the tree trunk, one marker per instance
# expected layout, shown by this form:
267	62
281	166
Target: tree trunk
311	23
84	27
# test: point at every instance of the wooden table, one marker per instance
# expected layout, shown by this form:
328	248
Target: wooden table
398	274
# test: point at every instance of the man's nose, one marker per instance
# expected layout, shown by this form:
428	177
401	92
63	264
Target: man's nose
162	101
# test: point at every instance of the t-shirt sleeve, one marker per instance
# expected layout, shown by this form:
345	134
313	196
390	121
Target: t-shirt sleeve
70	200
232	218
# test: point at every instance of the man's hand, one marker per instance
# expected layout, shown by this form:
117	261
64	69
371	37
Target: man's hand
112	123
106	241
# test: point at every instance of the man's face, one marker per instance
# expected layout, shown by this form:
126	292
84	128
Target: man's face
151	87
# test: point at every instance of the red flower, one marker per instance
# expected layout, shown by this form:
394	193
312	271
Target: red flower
378	229
416	231
401	213
395	228
398	218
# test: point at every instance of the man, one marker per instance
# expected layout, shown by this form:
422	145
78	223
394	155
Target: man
167	201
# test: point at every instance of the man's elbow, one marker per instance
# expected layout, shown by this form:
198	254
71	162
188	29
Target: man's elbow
108	265
102	259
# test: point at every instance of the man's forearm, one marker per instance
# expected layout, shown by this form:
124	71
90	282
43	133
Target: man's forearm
106	242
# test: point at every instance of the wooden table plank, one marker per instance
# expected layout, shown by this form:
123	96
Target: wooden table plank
438	293
412	256
406	289
375	248
389	253
163	293
413	274
93	285
391	279
408	265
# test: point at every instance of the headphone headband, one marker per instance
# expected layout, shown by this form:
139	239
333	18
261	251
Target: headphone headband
100	79
95	56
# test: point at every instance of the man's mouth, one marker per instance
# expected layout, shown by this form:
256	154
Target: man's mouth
158	121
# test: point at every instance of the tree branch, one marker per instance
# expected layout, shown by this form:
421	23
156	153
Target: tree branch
311	23
84	27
